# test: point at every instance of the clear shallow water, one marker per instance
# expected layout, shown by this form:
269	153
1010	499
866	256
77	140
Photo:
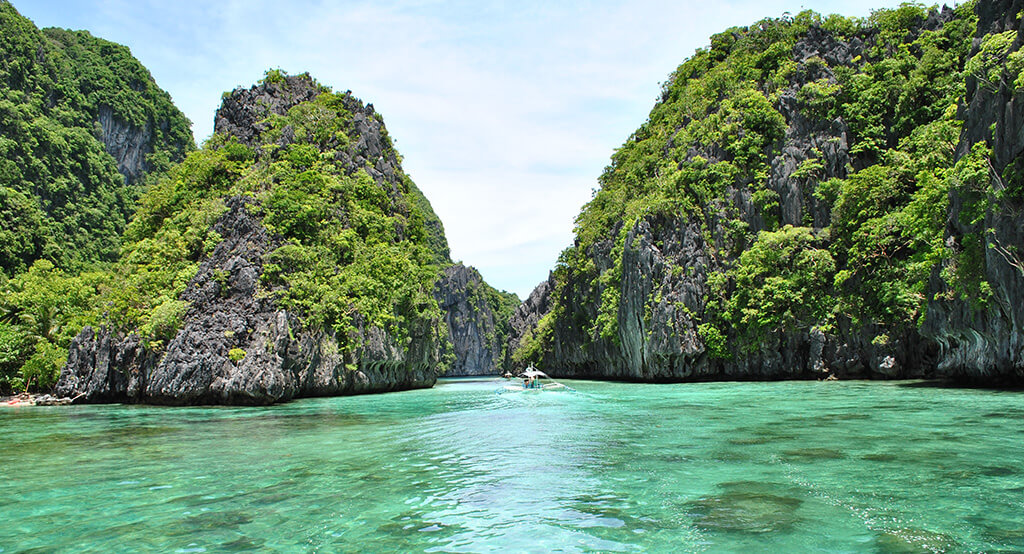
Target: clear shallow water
718	467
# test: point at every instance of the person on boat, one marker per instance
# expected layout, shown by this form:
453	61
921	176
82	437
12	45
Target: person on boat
528	382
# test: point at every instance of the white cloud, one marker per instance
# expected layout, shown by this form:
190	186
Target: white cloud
505	113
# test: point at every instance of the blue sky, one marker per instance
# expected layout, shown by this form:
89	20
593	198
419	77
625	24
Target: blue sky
505	112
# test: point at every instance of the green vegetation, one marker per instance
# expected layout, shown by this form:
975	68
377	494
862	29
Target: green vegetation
236	354
41	311
350	247
66	199
782	282
713	135
63	204
351	252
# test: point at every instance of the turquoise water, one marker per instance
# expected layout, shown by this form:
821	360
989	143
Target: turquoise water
718	467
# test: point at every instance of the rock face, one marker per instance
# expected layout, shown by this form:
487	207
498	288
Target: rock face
660	342
975	298
525	319
103	368
235	345
135	117
243	110
667	261
128	145
981	338
474	328
279	358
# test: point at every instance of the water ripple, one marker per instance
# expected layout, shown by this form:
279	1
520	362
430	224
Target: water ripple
616	467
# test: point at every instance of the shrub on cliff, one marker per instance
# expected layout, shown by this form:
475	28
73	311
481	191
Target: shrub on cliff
349	249
815	155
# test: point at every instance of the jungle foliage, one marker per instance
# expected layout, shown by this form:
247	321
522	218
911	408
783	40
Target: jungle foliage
351	252
59	188
712	137
63	203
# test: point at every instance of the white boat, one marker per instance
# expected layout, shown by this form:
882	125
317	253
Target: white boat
532	380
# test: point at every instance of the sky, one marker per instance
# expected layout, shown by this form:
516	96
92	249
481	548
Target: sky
505	113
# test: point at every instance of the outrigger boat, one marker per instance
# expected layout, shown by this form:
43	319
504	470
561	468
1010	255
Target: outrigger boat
532	381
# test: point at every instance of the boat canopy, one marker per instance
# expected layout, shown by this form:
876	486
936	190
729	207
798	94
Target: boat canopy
533	373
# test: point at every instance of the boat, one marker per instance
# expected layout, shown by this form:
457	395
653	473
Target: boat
532	380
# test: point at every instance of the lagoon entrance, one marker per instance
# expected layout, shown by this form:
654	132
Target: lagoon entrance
781	466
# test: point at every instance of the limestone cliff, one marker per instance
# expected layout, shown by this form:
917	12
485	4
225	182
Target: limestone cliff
282	358
747	230
477	319
246	335
139	125
243	113
979	324
81	123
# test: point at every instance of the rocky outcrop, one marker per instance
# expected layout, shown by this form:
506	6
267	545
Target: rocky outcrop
664	284
474	328
524	321
981	337
662	294
242	116
236	347
243	110
975	308
128	145
103	367
235	344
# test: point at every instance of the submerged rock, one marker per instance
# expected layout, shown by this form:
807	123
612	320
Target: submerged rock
747	507
914	540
